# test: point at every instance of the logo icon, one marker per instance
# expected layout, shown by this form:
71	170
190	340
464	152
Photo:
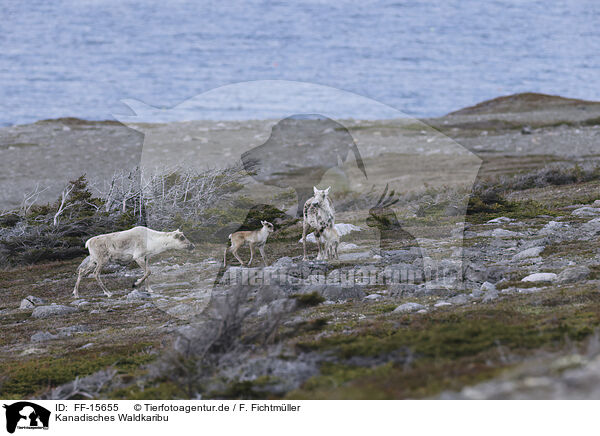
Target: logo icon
26	415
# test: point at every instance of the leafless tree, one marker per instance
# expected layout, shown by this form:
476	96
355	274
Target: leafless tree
64	196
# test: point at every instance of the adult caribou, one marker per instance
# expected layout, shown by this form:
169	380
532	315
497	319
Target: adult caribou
138	244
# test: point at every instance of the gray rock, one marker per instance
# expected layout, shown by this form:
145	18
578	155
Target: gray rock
283	262
281	305
52	310
31	301
442	303
477	293
586	211
503	233
335	292
553	227
137	295
490	296
26	304
181	310
43	337
540	277
500	220
360	255
487	286
374	297
592	225
403	256
530	252
71	330
408	307
459	299
575	274
262	310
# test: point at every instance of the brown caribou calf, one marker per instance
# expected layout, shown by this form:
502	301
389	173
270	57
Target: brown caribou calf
254	238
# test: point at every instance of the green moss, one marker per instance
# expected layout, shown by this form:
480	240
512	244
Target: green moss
246	389
334	375
518	284
385	308
391	381
161	390
23	379
307	300
442	350
480	212
570	249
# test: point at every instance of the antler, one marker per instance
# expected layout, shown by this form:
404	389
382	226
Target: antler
387	201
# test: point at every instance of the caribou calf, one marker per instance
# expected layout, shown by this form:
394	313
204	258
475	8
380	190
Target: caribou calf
253	237
138	244
330	238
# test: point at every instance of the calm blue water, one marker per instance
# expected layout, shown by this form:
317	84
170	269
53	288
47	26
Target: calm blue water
425	58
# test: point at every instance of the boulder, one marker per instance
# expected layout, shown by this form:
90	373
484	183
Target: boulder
530	252
477	293
334	291
490	296
500	220
487	287
42	337
552	227
540	277
503	233
31	301
373	297
575	274
52	310
592	225
459	299
586	211
71	330
283	262
408	307
137	295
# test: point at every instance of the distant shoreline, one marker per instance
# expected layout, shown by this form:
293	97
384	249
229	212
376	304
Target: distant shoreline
520	102
52	152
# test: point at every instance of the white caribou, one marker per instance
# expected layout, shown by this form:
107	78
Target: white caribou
138	244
